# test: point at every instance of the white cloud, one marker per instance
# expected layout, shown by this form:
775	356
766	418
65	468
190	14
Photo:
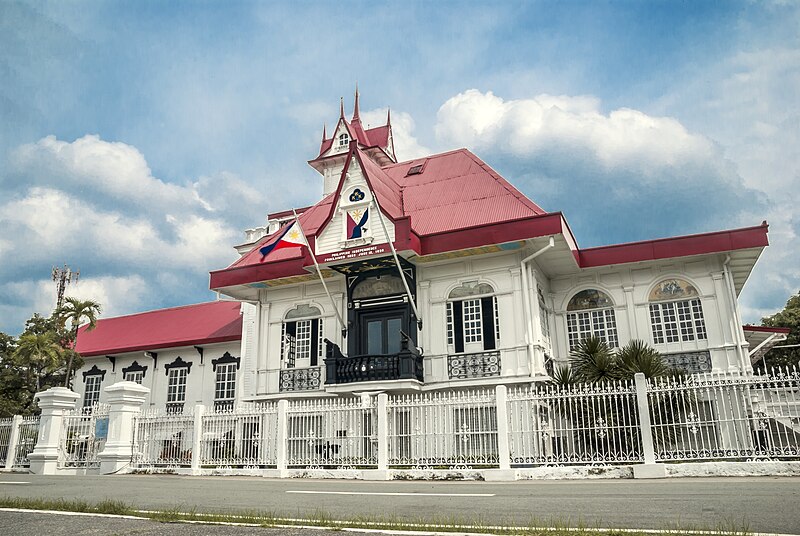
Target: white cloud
96	205
406	145
624	138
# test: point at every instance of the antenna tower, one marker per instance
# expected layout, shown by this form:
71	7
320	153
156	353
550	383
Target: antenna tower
63	277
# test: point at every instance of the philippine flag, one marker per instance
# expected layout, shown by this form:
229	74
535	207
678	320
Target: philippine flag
291	237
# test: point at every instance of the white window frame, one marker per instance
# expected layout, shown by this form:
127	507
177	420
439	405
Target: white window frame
473	341
91	392
225	383
136	376
344	140
601	323
677	322
176	385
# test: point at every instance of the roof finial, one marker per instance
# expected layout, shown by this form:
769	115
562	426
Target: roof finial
356	115
341	107
388	117
324	131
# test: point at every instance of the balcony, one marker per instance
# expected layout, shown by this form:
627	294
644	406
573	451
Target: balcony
404	365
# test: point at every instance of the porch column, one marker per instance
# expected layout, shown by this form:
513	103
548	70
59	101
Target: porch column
125	400
54	403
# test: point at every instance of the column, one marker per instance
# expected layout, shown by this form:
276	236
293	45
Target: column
13	441
125	400
650	469
54	403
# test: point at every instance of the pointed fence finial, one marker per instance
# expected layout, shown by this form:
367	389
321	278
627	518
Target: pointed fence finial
356	114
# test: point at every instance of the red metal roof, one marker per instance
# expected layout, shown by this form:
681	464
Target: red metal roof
766	329
190	325
458	202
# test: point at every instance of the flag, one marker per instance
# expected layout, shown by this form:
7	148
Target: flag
291	237
356	220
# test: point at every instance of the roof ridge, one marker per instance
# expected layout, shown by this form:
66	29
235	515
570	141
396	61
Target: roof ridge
428	157
187	306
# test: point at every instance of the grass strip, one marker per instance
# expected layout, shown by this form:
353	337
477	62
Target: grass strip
322	518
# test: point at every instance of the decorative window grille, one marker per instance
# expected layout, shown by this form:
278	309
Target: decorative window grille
225	388
135	376
176	388
91	394
679	321
593	316
472	320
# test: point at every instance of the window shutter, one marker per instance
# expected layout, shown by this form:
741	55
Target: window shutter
487	314
458	321
314	342
290	330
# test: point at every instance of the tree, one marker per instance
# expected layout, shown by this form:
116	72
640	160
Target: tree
789	317
76	312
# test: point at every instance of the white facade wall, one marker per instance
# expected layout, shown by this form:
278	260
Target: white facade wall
200	382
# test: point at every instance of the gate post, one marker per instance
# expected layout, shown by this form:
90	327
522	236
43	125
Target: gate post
650	469
53	403
125	400
503	449
13	440
382	433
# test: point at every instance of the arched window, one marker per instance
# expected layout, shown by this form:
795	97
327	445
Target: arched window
591	312
344	140
472	320
676	314
301	340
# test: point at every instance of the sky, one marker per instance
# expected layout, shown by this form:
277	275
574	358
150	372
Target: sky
139	139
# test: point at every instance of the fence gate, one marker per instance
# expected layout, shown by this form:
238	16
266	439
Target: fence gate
83	436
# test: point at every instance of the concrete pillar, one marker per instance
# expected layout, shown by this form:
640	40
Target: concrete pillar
54	403
13	441
125	401
382	428
197	437
282	442
505	472
650	469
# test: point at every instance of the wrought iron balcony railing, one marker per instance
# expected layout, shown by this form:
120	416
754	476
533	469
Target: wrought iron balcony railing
404	365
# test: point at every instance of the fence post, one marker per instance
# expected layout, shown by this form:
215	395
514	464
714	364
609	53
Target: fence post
503	449
53	403
13	440
650	469
125	400
383	432
282	441
197	438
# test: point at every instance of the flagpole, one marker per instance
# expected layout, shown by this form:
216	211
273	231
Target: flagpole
319	272
396	260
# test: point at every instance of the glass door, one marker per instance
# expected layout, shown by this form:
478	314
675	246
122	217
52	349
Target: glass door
381	333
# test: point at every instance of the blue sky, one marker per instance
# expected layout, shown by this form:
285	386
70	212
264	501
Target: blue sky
138	139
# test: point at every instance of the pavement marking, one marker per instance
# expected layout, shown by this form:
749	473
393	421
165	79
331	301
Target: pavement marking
10	482
394	494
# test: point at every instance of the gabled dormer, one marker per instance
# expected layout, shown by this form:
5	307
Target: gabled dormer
377	144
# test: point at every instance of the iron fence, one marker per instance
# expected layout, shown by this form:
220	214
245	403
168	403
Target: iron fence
163	439
27	435
443	429
578	424
243	437
83	435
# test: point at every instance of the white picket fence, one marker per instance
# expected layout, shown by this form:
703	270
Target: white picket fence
699	417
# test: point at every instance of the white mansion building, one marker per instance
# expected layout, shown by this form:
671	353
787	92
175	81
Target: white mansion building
440	275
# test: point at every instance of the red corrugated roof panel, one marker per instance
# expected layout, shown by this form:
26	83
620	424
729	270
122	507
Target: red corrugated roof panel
190	325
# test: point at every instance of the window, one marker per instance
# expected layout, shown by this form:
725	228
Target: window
91	395
472	318
302	341
544	323
344	140
225	389
590	312
136	376
177	372
677	314
134	373
225	380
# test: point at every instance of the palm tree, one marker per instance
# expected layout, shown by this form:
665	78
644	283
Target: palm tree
592	361
638	356
77	312
39	352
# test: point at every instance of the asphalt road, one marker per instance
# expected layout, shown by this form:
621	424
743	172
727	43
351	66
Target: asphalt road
762	504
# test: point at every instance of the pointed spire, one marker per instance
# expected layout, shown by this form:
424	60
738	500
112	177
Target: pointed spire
324	131
356	115
341	107
388	117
